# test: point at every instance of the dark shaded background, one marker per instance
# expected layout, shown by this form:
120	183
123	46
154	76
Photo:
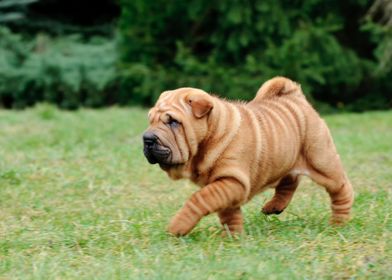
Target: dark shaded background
61	17
98	53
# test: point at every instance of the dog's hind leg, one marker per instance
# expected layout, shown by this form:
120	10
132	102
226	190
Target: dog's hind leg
339	189
284	192
325	168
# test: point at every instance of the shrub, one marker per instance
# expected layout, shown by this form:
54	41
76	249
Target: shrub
232	47
66	71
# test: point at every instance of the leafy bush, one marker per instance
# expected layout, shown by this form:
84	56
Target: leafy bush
65	71
231	47
337	50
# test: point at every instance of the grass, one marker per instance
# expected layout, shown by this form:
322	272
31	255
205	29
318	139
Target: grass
79	201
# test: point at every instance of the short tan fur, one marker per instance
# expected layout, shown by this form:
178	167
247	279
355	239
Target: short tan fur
235	150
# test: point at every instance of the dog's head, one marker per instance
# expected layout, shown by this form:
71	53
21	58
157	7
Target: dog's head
178	123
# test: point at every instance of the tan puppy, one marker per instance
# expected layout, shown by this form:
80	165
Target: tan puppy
235	150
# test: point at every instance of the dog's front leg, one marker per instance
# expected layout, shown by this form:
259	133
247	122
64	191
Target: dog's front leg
219	195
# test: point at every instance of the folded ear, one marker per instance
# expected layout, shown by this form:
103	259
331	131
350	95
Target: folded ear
201	103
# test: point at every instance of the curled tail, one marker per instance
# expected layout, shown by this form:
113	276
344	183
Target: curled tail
277	86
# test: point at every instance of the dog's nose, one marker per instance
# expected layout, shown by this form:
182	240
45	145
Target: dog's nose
149	138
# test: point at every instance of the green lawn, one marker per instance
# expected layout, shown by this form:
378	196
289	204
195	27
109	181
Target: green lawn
78	200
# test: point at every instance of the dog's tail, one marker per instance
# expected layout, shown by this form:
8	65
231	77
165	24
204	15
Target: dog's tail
278	86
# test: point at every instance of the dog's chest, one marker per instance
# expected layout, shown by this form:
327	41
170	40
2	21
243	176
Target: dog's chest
199	179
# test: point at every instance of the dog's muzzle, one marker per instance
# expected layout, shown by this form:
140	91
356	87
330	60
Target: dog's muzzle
153	150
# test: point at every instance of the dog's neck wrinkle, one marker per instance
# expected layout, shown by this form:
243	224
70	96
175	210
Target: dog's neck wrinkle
218	138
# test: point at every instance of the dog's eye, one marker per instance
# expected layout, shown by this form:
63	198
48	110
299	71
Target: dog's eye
173	123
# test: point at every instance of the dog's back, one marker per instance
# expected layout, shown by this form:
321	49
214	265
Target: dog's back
281	112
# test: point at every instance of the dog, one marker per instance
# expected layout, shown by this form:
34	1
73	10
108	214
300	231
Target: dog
235	150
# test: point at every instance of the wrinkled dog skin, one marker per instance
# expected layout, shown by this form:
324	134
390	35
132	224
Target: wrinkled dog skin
235	150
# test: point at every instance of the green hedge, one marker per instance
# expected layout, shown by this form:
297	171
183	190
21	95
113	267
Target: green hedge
333	48
231	47
66	71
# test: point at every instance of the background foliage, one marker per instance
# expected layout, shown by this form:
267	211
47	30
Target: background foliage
58	52
230	47
67	53
65	71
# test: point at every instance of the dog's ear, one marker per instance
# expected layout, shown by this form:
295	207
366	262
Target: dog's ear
200	102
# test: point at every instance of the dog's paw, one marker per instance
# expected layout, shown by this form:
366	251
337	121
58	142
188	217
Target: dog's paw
339	220
237	233
272	208
179	227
